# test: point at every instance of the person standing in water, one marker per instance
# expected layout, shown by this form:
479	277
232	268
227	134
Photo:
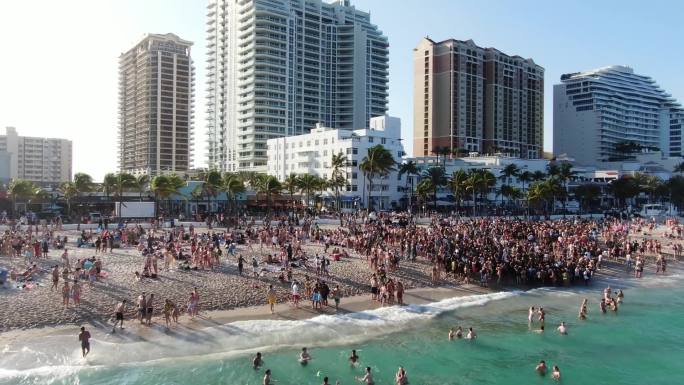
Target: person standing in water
562	329
541	368
119	310
401	378
367	378
304	357
257	362
354	358
556	373
471	334
267	377
530	315
84	337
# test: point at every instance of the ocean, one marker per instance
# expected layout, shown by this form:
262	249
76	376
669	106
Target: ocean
641	344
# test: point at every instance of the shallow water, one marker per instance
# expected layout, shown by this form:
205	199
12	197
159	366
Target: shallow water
639	345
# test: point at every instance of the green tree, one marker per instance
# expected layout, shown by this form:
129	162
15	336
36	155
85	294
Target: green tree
437	179
291	184
108	184
164	186
308	183
69	191
409	168
211	185
509	172
142	184
378	162
83	183
458	185
20	189
587	194
270	186
338	178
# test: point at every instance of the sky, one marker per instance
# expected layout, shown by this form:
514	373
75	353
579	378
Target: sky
59	67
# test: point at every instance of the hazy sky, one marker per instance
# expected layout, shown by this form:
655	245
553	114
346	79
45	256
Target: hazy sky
59	68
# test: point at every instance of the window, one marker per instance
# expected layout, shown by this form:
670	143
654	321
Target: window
370	139
383	140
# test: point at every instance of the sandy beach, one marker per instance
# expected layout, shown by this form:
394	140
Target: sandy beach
222	290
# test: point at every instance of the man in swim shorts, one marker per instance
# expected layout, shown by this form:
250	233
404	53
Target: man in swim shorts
84	337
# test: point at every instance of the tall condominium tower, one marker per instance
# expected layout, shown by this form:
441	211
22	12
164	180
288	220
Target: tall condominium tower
596	110
469	98
156	106
278	67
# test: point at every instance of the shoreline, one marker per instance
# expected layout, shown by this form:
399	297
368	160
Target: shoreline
285	312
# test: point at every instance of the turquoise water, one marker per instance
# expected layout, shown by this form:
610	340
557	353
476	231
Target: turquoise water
642	344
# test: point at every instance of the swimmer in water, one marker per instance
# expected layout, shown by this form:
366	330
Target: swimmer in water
257	361
541	368
452	334
459	332
530	315
354	358
602	305
267	377
542	315
556	373
367	378
620	296
471	334
304	357
401	378
562	329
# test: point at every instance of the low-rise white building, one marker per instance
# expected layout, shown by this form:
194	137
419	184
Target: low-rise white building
312	154
45	161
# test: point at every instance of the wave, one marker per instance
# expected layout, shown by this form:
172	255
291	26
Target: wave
58	355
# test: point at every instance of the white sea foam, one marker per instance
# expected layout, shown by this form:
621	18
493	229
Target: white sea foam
59	356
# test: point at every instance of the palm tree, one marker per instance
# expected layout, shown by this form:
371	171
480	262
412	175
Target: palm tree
538	176
291	184
308	183
679	168
163	186
20	189
622	189
232	184
108	184
379	161
211	184
508	172
122	183
423	190
437	179
565	173
409	168
338	179
69	191
539	193
142	184
270	186
472	185
83	183
586	194
457	183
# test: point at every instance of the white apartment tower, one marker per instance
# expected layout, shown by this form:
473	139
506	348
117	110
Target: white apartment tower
156	106
278	67
44	161
594	111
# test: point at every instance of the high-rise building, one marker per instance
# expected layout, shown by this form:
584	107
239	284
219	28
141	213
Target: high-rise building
473	99
156	106
595	111
278	67
44	161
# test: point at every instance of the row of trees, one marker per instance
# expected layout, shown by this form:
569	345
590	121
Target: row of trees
539	189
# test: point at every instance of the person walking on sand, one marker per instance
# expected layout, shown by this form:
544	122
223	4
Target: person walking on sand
84	337
55	278
149	309
337	295
119	310
168	308
76	292
66	293
271	298
142	307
